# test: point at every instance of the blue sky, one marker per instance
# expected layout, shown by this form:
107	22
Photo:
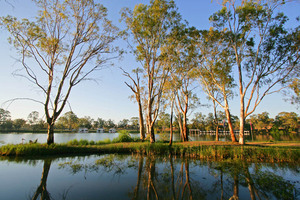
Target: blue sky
109	97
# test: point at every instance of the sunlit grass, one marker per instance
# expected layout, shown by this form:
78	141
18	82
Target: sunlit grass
126	145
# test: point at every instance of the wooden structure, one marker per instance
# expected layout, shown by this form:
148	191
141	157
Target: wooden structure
197	132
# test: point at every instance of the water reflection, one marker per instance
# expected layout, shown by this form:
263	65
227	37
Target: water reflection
42	188
164	178
138	177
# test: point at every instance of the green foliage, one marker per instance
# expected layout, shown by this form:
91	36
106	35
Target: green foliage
124	136
276	133
61	40
295	87
4	115
288	121
85	122
105	141
124	132
68	120
264	51
150	27
83	142
39	149
218	153
274	184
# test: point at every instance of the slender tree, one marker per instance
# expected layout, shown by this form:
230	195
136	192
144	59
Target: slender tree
137	89
68	41
214	72
181	59
265	51
149	26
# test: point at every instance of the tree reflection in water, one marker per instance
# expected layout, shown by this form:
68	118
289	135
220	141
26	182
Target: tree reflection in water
179	178
262	183
42	189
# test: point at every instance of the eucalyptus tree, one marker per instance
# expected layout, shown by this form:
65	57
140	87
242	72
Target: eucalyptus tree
295	87
149	26
199	121
134	122
261	122
19	123
289	121
4	115
137	90
215	71
293	91
33	118
265	51
4	118
99	123
109	124
85	122
67	41
181	58
69	120
163	121
124	123
294	82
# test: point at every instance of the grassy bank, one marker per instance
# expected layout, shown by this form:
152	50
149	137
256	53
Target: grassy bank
220	151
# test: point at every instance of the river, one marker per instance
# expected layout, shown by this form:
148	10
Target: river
17	138
139	177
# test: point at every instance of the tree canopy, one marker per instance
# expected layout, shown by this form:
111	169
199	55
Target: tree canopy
67	41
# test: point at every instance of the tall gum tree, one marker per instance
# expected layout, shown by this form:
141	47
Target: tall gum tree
68	40
214	71
265	51
137	90
181	59
149	26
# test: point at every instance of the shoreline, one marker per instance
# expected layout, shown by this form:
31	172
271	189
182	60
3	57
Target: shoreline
206	150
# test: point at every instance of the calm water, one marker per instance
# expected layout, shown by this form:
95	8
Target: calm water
137	177
16	138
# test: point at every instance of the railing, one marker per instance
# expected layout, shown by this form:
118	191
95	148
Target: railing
199	132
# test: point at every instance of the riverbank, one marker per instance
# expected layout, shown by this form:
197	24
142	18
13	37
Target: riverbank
217	151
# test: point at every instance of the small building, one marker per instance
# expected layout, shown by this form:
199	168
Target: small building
83	130
100	130
112	130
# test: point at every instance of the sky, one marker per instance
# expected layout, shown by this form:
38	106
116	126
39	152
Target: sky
108	97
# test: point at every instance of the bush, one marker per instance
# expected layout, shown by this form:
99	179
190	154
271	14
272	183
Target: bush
105	141
124	136
276	133
81	142
73	142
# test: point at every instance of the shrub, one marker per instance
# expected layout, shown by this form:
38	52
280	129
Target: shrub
73	142
105	141
83	142
124	136
276	133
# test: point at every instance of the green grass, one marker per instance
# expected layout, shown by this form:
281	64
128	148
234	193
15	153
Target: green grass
124	136
123	145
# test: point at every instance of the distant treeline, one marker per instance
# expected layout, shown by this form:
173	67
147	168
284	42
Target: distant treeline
283	123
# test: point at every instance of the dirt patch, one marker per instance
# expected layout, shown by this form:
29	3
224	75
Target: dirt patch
218	143
208	143
282	144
